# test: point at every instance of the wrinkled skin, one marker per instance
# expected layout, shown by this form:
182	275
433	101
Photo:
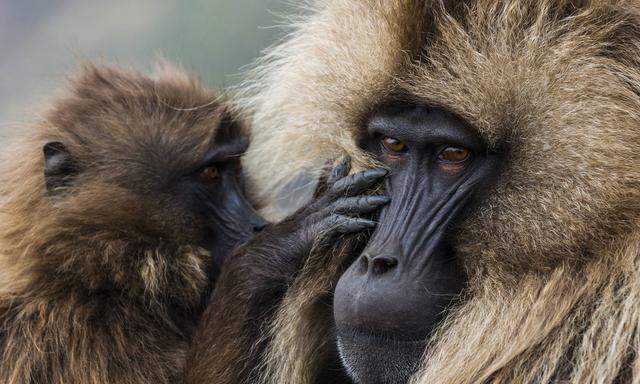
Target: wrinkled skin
393	296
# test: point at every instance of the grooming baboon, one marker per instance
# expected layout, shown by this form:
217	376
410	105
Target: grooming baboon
116	211
511	129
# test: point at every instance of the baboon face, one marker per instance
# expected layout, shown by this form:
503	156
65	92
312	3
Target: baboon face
391	298
151	159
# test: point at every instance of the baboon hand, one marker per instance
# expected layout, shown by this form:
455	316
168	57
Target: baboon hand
341	205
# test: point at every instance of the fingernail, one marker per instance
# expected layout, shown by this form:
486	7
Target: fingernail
379	200
342	164
377	172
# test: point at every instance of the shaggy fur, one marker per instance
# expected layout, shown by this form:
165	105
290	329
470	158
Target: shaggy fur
102	282
553	250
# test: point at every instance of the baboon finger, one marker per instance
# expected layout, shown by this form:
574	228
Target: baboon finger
340	171
358	182
340	225
359	204
330	175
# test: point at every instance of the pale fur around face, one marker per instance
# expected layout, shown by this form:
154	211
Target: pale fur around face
553	250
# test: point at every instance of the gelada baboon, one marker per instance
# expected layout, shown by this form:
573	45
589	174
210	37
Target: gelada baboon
116	210
511	131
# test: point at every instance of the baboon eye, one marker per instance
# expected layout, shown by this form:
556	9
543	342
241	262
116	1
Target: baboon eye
210	174
393	146
452	154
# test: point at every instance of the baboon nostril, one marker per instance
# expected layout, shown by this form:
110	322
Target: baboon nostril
382	264
364	263
259	227
258	224
376	265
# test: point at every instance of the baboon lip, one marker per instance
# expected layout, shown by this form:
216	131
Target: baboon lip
379	336
379	356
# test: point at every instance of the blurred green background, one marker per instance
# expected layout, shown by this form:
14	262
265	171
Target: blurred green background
42	41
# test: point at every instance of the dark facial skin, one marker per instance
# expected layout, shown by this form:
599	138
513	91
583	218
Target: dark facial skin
397	291
215	193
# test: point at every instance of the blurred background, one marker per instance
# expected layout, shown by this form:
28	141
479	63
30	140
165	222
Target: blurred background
42	41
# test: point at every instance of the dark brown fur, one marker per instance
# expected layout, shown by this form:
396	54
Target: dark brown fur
229	346
103	282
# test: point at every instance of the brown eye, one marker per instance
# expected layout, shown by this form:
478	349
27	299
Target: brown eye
393	146
454	154
210	174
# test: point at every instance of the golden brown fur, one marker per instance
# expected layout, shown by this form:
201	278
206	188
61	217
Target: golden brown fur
103	282
553	253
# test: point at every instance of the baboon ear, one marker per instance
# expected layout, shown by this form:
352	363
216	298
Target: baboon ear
58	165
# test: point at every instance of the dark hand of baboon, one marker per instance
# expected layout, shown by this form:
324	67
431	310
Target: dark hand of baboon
340	207
255	278
339	203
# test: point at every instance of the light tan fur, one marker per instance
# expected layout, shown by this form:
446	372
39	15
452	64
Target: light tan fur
553	251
